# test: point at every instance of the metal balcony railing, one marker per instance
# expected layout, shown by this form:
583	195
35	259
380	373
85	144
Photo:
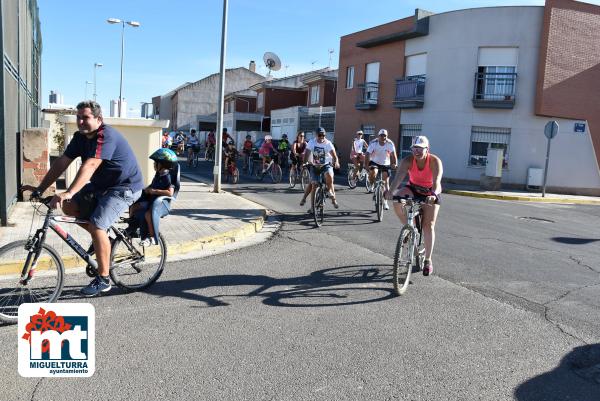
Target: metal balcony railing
410	92
495	90
368	94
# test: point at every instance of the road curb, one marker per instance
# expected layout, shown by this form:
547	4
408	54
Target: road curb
523	198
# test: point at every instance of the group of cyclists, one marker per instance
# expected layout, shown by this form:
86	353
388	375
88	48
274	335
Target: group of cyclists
424	171
111	177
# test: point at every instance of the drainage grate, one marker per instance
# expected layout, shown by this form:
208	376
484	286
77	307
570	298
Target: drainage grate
539	219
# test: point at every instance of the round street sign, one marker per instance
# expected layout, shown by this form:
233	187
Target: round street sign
551	129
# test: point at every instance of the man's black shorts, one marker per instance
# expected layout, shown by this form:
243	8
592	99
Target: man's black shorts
380	167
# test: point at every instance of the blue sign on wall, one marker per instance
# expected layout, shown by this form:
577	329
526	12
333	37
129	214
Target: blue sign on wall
579	127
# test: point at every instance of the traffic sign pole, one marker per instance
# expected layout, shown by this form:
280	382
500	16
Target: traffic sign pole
550	131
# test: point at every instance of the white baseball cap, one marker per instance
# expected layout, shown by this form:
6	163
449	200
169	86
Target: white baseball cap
383	131
421	141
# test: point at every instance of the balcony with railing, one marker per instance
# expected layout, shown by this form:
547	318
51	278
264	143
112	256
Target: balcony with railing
410	92
495	90
368	94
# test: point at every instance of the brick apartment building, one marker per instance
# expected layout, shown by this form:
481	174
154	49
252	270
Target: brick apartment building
482	78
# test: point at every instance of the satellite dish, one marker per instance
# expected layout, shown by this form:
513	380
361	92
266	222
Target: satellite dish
272	62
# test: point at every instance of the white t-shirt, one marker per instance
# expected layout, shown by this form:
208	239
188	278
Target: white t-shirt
320	152
380	154
193	141
359	145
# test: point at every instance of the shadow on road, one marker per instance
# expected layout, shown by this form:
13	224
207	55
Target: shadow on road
574	240
339	286
577	377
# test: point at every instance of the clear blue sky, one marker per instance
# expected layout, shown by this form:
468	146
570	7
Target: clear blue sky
179	40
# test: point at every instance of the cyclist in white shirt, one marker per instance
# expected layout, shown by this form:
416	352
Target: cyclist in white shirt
193	144
381	154
321	153
357	154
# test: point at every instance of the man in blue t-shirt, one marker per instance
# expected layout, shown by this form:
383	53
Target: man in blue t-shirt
107	183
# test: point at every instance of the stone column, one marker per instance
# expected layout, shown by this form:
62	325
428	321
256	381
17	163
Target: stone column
36	158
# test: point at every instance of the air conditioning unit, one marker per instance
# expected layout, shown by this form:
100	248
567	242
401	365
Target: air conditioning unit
535	178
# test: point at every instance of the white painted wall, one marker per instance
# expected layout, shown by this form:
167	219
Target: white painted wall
452	48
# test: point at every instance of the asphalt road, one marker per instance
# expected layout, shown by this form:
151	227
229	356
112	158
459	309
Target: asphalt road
511	313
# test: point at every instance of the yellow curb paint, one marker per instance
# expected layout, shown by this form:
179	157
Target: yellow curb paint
208	242
524	198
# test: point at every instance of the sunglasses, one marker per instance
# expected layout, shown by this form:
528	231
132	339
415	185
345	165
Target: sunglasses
418	149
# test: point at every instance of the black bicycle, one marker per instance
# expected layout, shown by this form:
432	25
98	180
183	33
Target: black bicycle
299	173
319	195
410	250
32	271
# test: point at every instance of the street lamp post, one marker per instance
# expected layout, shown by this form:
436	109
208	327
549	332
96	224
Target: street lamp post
96	66
218	147
134	24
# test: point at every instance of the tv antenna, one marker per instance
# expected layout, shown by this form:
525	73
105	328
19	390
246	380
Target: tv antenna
285	69
272	62
330	54
312	64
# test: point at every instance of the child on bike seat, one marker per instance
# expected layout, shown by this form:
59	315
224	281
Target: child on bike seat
161	185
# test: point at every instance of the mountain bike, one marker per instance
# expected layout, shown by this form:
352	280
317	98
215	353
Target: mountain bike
193	161
32	271
232	173
354	178
273	169
319	194
209	155
410	250
301	175
379	188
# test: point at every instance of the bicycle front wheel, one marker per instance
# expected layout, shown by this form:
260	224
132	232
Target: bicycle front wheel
379	202
293	176
318	206
368	185
305	178
352	178
135	272
235	176
276	173
403	261
44	284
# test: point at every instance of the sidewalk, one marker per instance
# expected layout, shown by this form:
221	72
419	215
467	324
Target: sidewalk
199	220
517	195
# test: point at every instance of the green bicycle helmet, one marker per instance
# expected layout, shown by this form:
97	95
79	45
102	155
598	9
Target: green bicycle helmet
164	154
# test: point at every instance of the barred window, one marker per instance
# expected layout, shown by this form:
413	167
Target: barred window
407	133
483	138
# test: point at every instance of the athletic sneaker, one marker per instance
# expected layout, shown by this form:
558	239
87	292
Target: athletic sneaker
385	205
335	204
97	286
427	268
148	242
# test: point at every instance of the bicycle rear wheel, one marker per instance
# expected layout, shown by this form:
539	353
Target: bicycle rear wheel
293	172
305	177
352	179
379	201
131	272
403	261
276	173
318	205
45	283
